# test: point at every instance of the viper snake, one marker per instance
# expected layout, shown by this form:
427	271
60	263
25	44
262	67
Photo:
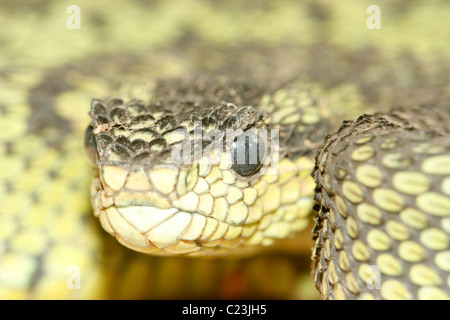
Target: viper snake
360	154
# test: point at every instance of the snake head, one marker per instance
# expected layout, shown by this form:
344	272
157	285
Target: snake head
180	178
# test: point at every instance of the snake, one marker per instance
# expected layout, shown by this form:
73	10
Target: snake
112	129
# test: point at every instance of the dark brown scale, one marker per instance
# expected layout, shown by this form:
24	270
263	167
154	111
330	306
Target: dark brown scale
138	145
120	114
166	122
143	118
123	141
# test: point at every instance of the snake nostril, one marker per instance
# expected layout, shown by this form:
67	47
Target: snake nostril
89	145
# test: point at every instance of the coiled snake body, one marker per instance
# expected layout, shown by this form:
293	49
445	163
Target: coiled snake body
380	184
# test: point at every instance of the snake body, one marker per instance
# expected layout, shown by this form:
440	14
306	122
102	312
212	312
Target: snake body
382	227
379	184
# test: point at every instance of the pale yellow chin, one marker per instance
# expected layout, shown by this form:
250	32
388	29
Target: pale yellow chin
151	230
171	231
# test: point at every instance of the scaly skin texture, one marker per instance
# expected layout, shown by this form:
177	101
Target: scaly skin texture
382	225
49	74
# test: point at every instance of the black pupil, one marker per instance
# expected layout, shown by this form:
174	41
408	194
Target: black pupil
248	154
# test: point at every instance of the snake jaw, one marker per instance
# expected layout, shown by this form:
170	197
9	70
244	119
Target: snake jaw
208	212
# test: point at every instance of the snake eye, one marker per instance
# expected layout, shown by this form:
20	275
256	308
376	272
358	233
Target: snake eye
90	145
248	153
